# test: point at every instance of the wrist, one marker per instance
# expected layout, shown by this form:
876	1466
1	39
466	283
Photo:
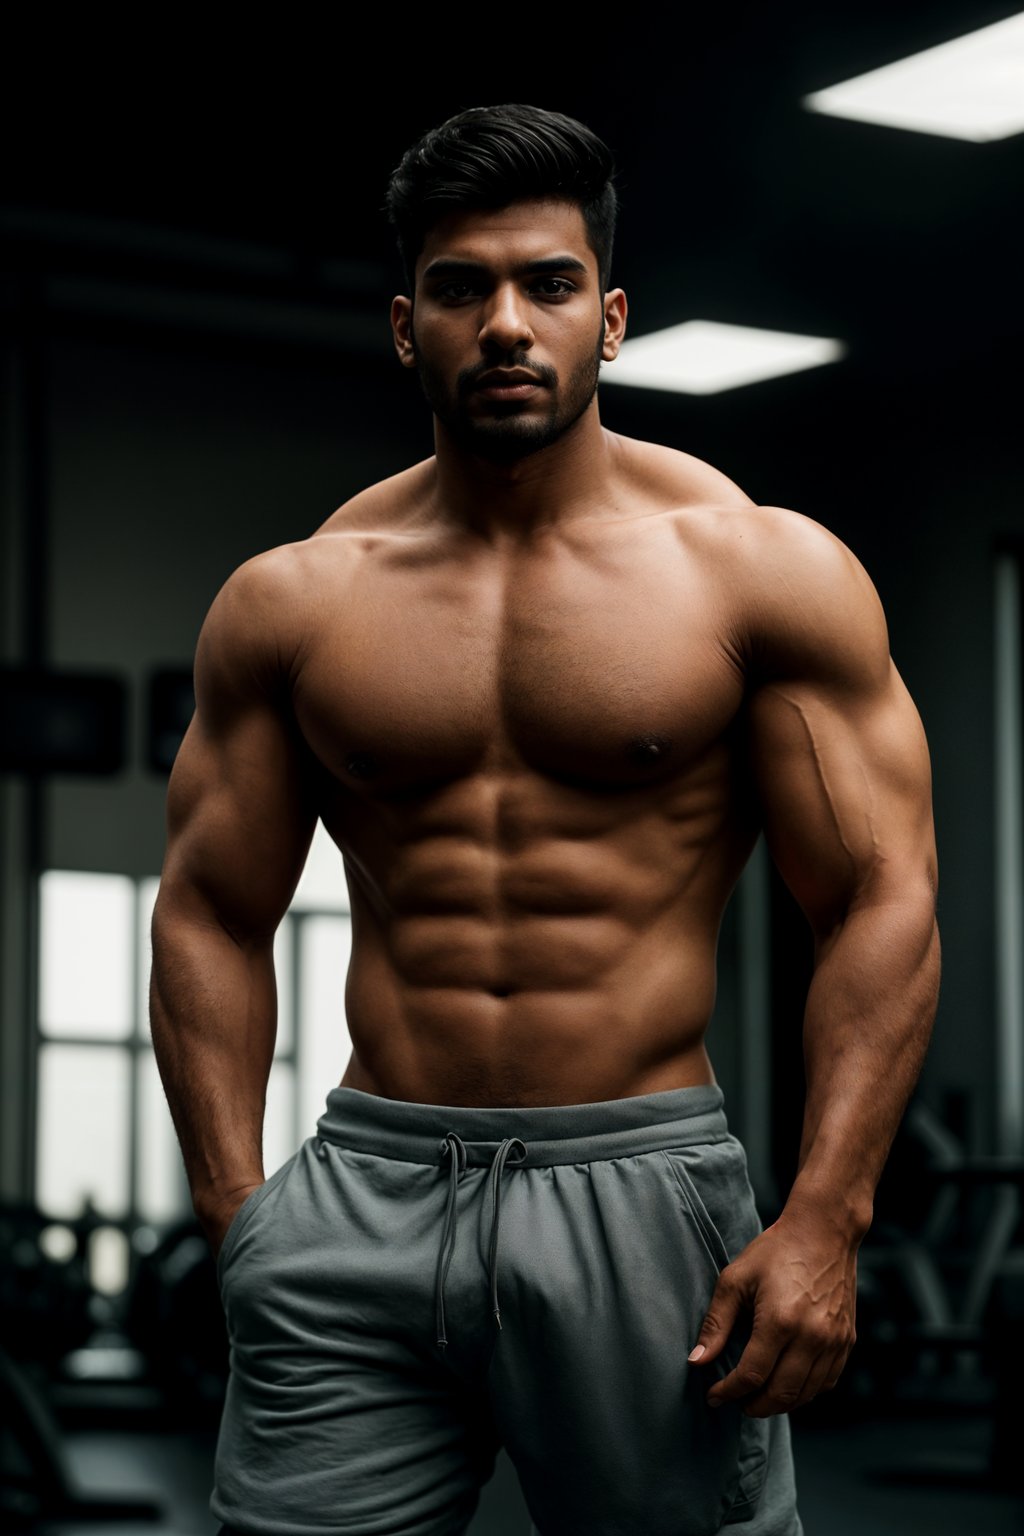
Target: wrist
846	1213
212	1200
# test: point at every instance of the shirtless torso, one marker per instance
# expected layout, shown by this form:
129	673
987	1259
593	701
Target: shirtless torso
532	759
535	757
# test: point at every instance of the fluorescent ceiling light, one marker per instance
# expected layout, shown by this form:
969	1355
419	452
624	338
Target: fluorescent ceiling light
702	357
970	88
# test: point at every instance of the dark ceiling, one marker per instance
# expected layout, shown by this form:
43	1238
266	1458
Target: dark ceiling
737	203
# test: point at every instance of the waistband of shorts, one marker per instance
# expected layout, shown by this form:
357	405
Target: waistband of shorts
551	1133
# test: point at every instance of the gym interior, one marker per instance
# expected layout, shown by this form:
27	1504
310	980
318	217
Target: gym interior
196	277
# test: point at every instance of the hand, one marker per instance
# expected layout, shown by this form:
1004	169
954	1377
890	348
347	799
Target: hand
216	1216
799	1280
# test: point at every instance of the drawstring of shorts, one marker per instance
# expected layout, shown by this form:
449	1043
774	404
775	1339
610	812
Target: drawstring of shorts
453	1147
497	1169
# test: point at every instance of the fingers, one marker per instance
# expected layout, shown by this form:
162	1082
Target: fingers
719	1321
796	1349
822	1377
751	1373
785	1388
796	1378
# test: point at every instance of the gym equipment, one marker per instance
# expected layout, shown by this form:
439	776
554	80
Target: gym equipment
46	1311
173	1314
44	1303
942	1275
36	1482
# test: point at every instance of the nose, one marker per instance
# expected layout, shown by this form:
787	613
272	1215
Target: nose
506	325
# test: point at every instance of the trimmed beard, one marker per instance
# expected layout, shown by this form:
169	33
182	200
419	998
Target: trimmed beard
509	432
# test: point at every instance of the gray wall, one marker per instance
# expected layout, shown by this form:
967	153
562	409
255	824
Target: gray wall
169	470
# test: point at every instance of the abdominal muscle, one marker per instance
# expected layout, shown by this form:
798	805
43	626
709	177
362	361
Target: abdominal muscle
539	1008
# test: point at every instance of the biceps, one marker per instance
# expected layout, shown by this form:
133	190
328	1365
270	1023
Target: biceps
240	819
845	788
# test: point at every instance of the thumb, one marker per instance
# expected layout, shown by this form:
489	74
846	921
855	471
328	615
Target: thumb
719	1321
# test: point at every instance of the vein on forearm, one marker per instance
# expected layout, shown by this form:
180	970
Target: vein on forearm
870	1009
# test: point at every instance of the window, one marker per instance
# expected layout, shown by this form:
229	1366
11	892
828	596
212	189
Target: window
105	1134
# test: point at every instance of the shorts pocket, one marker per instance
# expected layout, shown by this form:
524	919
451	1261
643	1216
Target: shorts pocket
754	1441
698	1210
754	1434
244	1214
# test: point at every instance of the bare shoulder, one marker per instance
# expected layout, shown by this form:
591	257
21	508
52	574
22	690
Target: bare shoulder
782	576
790	556
776	543
674	479
389	506
254	623
805	600
270	605
268	589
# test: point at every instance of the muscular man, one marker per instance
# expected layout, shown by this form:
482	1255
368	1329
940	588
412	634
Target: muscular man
544	690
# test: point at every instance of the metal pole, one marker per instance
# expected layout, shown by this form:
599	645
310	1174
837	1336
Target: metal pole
755	1022
23	852
1009	857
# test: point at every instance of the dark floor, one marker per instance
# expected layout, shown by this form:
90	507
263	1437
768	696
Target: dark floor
871	1477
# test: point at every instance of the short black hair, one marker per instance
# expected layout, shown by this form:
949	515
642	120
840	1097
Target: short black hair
489	157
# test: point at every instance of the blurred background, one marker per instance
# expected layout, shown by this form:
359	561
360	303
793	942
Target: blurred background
197	365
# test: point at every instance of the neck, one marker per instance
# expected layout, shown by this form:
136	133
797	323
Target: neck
556	485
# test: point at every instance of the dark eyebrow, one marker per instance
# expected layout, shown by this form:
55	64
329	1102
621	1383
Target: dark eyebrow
450	266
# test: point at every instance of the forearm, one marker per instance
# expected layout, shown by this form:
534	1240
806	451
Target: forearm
869	1015
213	1013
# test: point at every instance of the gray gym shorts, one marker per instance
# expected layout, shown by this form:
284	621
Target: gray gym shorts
421	1284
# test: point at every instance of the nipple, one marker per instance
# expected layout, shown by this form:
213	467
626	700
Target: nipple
361	765
649	749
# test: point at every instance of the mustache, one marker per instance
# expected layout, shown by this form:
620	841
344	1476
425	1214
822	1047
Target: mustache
468	377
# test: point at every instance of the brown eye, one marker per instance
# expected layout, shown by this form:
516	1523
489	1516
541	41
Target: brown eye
455	291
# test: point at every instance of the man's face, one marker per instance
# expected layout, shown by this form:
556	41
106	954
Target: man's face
507	330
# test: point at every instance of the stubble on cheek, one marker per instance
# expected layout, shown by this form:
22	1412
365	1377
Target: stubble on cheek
508	431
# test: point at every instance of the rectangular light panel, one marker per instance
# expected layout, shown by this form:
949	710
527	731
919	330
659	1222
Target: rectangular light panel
970	88
702	357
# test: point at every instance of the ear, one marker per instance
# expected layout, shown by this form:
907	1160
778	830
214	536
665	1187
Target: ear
401	329
615	308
